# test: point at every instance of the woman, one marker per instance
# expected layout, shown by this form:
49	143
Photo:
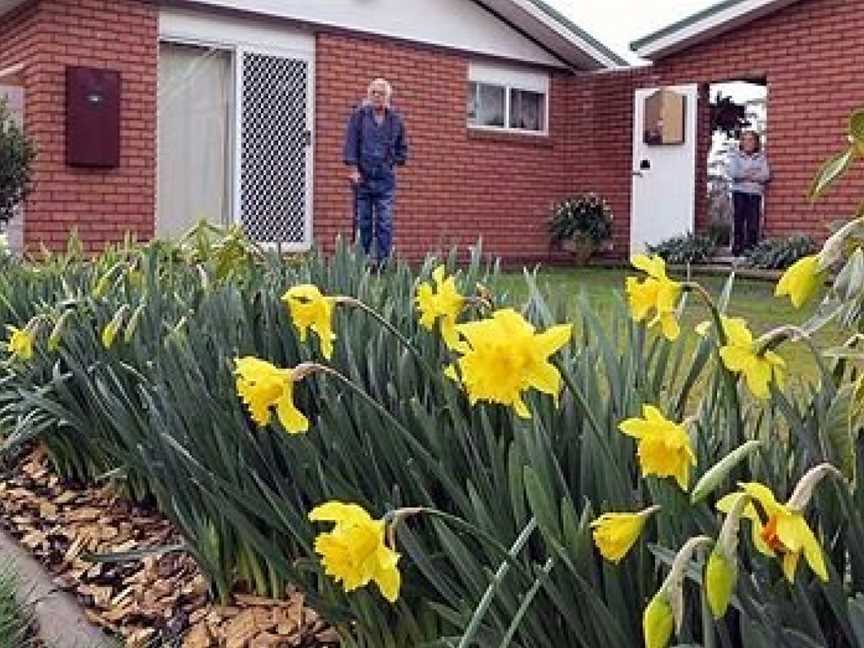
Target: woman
748	168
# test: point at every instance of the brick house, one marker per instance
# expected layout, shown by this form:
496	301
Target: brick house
235	109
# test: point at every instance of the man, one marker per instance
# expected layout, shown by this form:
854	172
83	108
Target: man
374	143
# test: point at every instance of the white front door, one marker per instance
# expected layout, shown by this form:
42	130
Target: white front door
663	201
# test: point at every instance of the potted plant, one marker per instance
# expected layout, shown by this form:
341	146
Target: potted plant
580	224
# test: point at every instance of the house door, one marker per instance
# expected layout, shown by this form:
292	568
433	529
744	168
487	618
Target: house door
274	149
664	164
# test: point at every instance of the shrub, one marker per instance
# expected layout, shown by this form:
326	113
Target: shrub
689	248
582	216
780	253
17	153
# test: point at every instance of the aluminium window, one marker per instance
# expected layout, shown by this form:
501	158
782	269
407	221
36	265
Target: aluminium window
507	99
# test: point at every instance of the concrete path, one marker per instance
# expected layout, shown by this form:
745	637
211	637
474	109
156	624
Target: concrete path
62	623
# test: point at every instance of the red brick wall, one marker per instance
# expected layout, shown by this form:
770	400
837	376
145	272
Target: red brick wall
457	185
810	54
118	34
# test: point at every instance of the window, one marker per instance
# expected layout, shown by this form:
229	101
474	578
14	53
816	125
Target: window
507	99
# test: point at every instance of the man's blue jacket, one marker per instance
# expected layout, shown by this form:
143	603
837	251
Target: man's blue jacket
375	149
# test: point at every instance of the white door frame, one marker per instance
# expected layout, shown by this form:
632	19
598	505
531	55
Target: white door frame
239	35
678	198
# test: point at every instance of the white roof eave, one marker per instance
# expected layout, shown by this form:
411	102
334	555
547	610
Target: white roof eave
690	32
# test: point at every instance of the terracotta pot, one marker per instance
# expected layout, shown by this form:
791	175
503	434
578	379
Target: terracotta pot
580	249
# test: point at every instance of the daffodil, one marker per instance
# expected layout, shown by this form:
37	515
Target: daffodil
354	552
782	532
262	386
441	303
664	447
658	621
741	355
311	310
656	293
503	356
20	343
801	280
616	533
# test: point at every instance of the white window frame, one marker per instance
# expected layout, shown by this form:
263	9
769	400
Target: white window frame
511	78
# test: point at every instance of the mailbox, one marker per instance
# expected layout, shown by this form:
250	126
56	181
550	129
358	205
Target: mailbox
92	117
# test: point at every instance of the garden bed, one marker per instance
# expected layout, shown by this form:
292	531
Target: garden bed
160	599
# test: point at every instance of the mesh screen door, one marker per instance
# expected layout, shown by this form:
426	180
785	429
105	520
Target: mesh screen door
274	149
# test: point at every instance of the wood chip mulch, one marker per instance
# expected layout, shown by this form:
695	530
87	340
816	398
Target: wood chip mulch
155	601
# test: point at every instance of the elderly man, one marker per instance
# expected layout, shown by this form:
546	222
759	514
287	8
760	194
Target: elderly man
374	143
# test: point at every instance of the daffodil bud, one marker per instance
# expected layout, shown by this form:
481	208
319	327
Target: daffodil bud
804	489
657	621
721	574
57	332
112	327
104	283
132	324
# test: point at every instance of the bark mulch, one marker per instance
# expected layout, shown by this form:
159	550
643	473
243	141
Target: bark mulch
155	601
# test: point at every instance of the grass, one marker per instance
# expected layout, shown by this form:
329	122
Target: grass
753	300
16	619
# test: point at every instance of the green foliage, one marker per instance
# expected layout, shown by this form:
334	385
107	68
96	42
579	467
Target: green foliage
509	559
581	216
688	248
17	627
780	253
17	154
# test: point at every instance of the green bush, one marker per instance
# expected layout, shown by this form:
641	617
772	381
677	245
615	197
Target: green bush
780	253
17	154
581	216
681	250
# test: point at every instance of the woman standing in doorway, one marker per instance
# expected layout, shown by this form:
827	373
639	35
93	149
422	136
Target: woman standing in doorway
749	171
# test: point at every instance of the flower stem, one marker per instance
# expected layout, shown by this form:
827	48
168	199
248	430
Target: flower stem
501	573
406	434
356	303
712	307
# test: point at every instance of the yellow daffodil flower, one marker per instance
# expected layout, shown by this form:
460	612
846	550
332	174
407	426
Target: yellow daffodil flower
801	280
20	343
262	386
443	304
740	356
311	310
782	533
656	293
503	356
354	552
616	533
658	621
720	580
664	447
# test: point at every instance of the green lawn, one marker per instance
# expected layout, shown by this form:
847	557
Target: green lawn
752	300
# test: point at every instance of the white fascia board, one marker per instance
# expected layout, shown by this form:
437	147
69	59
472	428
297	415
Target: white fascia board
453	24
708	27
561	30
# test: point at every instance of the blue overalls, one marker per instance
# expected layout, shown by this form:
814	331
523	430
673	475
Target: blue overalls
374	149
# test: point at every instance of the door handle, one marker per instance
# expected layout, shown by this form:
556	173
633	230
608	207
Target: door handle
638	174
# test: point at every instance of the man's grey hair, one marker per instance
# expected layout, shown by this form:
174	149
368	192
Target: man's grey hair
383	84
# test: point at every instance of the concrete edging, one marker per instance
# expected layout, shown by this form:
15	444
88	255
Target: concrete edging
60	618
